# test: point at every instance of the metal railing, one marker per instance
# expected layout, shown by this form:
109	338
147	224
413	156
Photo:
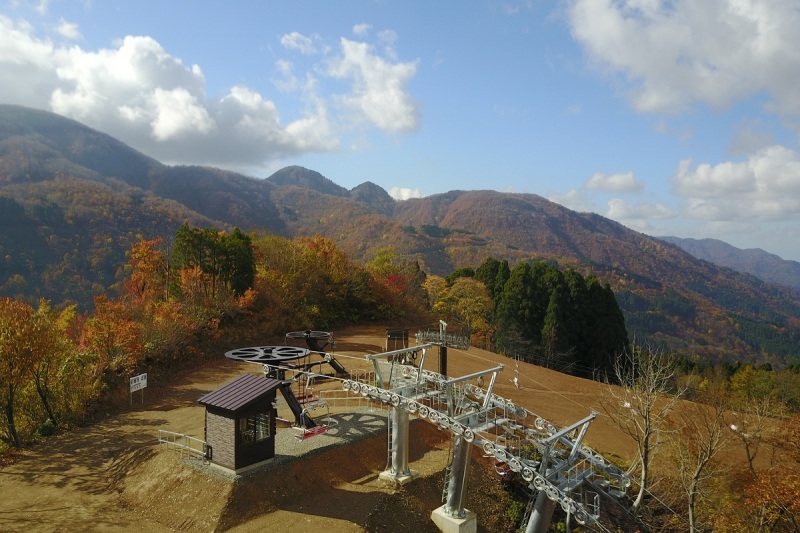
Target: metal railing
341	398
187	443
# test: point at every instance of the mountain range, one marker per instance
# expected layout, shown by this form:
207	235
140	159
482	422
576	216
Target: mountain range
763	265
73	200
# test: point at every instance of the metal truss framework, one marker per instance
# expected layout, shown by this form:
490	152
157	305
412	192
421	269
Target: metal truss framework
555	463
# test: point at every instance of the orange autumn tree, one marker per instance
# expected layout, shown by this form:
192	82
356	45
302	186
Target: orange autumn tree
146	294
308	282
17	344
112	335
149	273
34	348
54	347
173	302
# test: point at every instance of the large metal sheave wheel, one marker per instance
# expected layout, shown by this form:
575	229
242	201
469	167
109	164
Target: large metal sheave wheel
274	355
309	334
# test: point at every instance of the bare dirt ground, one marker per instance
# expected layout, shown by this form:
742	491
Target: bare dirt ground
114	476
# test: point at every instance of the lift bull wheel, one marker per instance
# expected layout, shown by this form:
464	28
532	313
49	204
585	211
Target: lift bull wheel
317	341
268	355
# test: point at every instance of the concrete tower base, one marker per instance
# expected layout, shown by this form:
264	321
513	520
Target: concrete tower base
387	475
448	524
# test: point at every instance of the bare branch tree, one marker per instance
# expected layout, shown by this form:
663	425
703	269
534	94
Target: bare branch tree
700	435
640	404
754	423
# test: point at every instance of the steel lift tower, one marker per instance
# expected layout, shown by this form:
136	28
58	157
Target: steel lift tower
557	466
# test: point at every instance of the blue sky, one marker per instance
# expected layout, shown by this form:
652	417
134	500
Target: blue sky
672	117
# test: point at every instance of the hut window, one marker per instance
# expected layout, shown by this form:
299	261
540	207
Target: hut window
254	428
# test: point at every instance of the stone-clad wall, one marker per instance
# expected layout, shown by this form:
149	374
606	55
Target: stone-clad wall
221	436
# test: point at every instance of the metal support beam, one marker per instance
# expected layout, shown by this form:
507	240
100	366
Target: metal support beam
488	399
563	431
443	348
451	400
542	514
399	471
456	487
400	442
468	377
375	358
577	445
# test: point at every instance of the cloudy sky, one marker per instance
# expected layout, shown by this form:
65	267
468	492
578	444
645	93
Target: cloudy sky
675	117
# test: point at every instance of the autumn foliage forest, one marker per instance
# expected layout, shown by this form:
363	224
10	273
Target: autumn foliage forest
56	365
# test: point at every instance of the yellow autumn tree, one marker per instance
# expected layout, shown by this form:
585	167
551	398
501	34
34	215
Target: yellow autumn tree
17	345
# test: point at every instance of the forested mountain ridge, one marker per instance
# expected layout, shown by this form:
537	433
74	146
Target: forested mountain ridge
763	265
74	200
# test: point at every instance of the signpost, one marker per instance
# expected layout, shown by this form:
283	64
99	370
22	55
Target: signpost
138	383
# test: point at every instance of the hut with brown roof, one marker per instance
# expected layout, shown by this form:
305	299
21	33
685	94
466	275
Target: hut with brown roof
240	422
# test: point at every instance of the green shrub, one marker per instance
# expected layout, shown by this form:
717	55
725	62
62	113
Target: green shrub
46	428
515	511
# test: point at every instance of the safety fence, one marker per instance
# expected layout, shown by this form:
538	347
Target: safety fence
341	398
184	443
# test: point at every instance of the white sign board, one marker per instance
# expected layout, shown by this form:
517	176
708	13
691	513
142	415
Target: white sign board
138	382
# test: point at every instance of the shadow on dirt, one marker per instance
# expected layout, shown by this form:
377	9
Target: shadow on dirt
339	481
181	393
81	459
361	348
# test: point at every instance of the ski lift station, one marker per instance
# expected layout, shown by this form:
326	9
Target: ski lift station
555	464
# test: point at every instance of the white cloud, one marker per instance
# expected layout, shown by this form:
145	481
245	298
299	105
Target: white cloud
389	39
138	81
299	42
620	210
404	193
765	186
575	199
288	82
177	111
619	182
642	216
24	58
139	93
749	203
679	52
378	87
361	29
69	30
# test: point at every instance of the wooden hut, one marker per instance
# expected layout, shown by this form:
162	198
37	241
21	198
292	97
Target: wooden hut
240	422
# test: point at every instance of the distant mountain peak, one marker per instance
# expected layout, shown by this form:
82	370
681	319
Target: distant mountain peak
302	177
370	193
